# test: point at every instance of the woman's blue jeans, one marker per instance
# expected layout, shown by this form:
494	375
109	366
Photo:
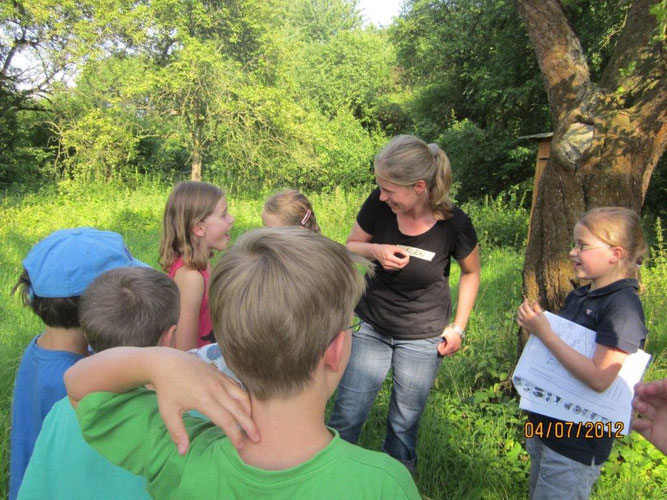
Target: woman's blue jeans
414	365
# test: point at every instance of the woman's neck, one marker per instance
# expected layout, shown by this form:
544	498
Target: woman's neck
417	220
421	210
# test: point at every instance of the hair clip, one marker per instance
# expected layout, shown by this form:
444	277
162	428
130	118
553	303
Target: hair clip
305	218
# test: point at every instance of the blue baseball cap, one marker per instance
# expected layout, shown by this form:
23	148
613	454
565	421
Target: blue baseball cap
65	262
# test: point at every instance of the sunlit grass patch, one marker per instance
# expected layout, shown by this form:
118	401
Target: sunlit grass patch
471	441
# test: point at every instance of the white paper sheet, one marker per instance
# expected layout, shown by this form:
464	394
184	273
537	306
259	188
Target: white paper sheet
546	387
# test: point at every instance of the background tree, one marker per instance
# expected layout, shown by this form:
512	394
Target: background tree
196	92
609	132
475	88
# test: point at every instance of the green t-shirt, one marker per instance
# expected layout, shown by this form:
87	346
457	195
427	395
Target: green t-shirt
64	467
127	429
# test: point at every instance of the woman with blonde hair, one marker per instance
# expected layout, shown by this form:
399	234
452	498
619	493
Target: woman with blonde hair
411	228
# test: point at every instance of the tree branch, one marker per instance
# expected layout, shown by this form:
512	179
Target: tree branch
559	54
640	50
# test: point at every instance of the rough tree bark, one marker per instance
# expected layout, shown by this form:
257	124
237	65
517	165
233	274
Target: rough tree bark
197	141
195	172
608	135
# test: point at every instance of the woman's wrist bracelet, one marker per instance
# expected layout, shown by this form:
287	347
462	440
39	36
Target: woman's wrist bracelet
462	333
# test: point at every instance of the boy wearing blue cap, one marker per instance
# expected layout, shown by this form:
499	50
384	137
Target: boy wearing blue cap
57	271
127	306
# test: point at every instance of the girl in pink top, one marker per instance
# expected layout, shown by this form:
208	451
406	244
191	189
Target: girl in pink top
195	223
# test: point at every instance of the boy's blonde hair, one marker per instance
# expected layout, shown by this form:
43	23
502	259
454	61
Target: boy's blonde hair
293	208
407	159
278	298
189	204
128	306
618	227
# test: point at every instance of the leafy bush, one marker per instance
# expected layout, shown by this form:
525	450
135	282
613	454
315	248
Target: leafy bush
24	150
280	143
485	161
501	221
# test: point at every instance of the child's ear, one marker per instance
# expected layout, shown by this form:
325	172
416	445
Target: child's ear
335	356
198	229
168	337
617	254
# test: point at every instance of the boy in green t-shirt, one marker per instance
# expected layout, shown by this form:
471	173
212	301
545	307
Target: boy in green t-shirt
281	301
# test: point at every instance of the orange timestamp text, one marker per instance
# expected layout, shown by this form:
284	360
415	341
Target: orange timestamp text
585	430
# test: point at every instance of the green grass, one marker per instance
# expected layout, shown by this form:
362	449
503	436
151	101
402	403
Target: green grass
471	443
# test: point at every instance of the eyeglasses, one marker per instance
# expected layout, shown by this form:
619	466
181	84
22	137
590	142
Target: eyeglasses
356	326
582	247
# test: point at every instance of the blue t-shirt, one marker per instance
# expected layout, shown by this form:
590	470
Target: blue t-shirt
38	385
614	312
64	466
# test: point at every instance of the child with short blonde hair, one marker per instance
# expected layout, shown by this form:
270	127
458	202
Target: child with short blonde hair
195	223
282	302
289	208
608	250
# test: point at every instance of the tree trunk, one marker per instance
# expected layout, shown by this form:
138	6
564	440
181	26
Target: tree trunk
608	137
195	121
197	148
195	174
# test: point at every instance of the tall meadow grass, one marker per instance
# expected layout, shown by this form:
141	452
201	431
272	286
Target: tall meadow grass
471	442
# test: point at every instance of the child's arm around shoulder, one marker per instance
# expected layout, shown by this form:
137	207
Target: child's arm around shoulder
597	372
182	383
191	288
114	370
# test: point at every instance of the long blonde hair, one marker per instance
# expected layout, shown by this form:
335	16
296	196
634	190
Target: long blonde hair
189	204
407	159
293	208
618	227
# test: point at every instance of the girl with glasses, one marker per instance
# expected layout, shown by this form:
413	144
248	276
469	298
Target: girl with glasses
608	250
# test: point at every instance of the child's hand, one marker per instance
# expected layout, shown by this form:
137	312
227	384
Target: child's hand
532	318
650	403
185	383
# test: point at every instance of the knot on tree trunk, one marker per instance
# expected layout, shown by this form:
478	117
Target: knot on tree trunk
574	144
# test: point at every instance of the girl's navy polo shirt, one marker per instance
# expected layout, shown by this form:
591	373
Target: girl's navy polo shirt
615	314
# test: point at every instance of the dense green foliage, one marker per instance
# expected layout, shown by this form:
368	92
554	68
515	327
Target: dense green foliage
254	92
471	443
275	92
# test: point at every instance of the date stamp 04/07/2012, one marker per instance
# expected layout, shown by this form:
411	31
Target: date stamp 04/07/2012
567	430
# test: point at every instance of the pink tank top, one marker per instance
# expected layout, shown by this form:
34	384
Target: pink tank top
205	334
